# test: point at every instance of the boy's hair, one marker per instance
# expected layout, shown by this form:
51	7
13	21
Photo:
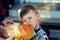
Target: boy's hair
26	9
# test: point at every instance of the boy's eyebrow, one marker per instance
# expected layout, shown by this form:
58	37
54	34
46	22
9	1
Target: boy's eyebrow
24	20
29	18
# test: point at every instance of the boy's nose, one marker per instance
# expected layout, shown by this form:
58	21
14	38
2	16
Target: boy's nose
28	22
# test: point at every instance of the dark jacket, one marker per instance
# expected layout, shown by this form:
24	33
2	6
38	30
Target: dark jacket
40	34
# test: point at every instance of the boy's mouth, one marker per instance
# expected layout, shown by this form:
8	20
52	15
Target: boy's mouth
31	25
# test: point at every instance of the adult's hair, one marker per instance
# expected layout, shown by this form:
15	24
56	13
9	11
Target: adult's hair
3	33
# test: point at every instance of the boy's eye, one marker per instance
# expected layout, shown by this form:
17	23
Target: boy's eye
24	21
29	18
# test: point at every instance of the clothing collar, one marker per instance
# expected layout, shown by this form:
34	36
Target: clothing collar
38	29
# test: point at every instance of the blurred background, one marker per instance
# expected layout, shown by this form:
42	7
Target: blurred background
49	12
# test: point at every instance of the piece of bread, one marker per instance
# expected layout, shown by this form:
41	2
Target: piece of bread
26	31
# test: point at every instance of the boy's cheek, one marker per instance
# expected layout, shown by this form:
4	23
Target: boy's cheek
33	25
24	23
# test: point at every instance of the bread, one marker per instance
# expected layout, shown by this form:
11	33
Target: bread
26	31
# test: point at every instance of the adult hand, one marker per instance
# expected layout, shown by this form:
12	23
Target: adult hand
1	38
11	37
7	22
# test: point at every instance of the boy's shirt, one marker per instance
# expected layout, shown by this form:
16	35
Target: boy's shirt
40	35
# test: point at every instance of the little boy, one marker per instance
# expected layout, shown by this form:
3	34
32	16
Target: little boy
30	16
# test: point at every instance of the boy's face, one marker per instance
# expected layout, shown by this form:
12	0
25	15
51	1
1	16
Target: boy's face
31	18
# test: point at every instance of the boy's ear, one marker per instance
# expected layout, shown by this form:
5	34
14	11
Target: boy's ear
38	15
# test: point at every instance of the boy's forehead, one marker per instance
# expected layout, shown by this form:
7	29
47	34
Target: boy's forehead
30	13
